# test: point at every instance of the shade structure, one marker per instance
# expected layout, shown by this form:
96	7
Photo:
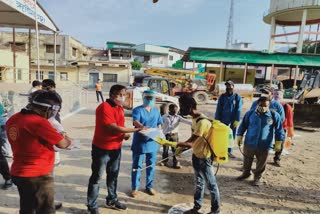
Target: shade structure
21	14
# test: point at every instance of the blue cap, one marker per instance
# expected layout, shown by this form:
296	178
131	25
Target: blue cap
149	93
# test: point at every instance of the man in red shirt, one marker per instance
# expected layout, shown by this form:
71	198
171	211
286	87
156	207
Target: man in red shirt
106	148
32	139
287	123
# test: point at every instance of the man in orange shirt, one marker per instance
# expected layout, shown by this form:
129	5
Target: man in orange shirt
99	90
32	139
106	148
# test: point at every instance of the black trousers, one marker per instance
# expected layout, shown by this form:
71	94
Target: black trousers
171	137
4	167
36	194
99	93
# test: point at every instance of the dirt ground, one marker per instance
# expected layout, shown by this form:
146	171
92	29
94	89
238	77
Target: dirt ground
293	188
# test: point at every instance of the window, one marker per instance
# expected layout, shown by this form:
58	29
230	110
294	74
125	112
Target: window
63	76
19	46
170	58
110	77
39	75
50	49
2	73
51	75
258	71
246	45
74	52
19	74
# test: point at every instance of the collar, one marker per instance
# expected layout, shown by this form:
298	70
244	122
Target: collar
111	103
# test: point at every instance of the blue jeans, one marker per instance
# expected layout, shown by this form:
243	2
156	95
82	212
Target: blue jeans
108	160
137	163
203	171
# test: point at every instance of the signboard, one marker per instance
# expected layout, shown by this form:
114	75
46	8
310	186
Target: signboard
27	8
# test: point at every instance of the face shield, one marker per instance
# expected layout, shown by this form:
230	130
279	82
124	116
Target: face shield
51	111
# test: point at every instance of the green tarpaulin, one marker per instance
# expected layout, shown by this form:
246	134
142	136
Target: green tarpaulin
252	57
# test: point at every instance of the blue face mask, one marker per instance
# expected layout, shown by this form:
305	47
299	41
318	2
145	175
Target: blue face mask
149	103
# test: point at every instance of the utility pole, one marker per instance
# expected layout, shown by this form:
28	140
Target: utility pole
230	26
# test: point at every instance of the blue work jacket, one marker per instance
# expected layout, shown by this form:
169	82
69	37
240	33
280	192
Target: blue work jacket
261	129
274	105
229	108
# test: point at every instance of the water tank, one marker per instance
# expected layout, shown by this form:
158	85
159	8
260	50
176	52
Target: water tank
289	12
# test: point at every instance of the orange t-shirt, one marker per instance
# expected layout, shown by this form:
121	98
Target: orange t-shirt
98	86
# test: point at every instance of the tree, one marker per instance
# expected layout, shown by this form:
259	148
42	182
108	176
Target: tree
307	48
136	64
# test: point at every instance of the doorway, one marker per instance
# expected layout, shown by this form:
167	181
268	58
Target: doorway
93	78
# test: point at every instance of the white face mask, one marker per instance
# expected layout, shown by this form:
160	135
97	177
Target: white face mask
120	100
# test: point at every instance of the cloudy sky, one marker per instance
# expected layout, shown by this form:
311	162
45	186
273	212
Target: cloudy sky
178	23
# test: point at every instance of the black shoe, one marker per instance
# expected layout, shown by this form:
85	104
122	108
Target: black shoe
277	163
57	205
7	184
256	182
116	205
192	211
93	211
243	176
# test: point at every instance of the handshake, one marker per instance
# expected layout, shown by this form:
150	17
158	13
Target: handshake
165	142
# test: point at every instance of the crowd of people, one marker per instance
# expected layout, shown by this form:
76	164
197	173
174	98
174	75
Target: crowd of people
36	135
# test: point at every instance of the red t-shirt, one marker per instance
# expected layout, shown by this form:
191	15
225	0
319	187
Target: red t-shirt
108	113
32	139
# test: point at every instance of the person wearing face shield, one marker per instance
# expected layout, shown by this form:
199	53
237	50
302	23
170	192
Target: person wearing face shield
229	109
32	139
109	133
146	115
261	126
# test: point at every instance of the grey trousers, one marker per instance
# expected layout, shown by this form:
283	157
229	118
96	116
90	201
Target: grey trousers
261	155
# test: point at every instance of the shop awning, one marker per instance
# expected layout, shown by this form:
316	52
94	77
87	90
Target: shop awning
21	14
227	56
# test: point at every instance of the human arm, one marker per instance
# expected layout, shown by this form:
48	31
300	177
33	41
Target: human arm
183	120
280	110
188	143
289	118
219	108
238	109
115	128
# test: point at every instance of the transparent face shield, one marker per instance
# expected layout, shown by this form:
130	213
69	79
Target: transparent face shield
53	108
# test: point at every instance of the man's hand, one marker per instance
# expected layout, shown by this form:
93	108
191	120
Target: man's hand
235	124
277	146
126	136
239	140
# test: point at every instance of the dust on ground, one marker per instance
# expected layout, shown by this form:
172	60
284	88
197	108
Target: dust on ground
292	188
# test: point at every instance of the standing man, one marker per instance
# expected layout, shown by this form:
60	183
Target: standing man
32	139
99	86
287	123
146	115
229	109
201	158
106	148
4	167
261	126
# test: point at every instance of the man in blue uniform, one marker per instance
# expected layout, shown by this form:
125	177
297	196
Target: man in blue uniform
229	109
261	126
146	115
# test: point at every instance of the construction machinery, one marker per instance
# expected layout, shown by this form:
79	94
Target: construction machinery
308	95
175	82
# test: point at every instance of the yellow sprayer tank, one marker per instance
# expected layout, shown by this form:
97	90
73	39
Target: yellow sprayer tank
221	138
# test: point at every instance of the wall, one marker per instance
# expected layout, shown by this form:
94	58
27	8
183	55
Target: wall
22	65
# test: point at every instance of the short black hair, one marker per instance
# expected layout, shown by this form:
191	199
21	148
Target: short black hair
116	88
36	83
263	99
47	97
172	106
187	100
49	82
